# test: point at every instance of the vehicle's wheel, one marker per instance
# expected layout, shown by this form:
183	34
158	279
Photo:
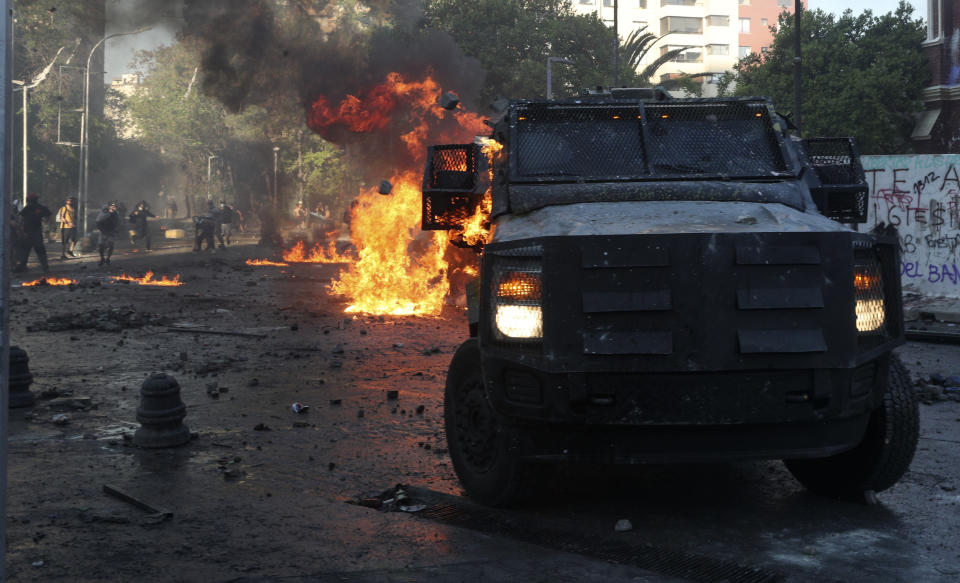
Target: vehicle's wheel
882	457
483	448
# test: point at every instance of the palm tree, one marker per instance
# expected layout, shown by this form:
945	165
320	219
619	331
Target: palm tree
635	48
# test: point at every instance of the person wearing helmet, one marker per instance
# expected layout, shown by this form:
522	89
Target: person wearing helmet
67	217
108	223
32	217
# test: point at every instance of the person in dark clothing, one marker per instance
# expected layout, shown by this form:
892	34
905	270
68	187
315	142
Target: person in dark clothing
227	218
204	229
138	220
32	217
108	223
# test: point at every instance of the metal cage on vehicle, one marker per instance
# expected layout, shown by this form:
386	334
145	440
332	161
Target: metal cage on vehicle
842	194
452	185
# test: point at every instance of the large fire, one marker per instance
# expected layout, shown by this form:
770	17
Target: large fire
318	254
399	270
148	279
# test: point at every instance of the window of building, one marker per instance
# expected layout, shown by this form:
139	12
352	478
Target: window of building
678	2
718	49
743	2
763	22
933	19
608	3
718	20
682	24
745	25
743	52
785	3
691	55
763	50
587	2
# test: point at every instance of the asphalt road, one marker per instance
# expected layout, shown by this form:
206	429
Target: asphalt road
261	493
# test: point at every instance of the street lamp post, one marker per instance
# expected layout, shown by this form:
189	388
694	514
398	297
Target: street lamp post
550	61
85	129
209	160
276	197
25	87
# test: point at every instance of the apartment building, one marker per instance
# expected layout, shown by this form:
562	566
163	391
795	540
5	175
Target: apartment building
717	32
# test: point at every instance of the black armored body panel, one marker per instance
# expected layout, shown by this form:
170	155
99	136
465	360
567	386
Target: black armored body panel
672	280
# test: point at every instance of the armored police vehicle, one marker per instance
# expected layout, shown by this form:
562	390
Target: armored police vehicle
672	280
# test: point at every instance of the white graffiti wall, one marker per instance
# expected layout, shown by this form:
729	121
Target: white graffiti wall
920	194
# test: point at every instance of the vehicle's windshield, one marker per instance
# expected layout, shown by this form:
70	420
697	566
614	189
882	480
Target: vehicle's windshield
664	141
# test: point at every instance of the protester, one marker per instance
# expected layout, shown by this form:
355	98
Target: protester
138	220
67	217
32	218
108	223
227	218
204	228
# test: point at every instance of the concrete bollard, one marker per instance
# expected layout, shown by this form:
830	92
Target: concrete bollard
161	413
20	379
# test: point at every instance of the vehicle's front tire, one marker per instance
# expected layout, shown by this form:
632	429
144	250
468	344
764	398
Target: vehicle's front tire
483	447
884	454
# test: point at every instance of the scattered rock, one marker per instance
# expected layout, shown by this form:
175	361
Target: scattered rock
623	525
393	395
359	412
253	382
261	427
420	409
103	319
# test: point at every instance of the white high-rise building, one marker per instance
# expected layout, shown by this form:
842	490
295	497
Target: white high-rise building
715	31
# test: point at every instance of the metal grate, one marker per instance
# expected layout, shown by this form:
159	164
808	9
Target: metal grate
734	138
702	139
558	141
451	167
843	194
452	190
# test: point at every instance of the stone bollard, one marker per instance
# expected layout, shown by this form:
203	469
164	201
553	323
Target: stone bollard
20	379
161	413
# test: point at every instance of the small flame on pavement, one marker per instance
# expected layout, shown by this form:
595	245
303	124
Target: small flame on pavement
266	262
318	254
148	279
49	281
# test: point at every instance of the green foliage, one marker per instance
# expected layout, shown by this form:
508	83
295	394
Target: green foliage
862	76
513	38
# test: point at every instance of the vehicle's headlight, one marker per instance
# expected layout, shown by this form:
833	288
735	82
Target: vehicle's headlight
517	302
868	289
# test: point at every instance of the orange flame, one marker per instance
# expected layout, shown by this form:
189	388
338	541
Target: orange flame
49	281
399	270
265	262
148	279
319	254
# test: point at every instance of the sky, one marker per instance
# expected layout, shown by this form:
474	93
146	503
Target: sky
120	50
858	6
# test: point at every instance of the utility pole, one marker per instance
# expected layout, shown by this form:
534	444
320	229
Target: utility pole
616	45
6	165
797	8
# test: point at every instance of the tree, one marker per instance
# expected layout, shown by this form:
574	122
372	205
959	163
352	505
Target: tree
513	38
862	75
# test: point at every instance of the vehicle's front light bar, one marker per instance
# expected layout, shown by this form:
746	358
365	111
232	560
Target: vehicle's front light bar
868	290
517	310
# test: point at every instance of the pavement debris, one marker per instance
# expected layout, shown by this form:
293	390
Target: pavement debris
103	319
